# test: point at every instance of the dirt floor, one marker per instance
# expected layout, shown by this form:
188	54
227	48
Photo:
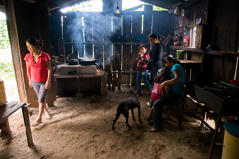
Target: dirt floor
81	128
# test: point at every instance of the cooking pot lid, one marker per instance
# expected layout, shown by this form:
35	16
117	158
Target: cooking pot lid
71	56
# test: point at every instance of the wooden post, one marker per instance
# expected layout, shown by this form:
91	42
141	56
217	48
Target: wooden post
109	77
61	51
119	72
27	125
114	80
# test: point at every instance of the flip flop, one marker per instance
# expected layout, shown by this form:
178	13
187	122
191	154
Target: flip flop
155	130
35	124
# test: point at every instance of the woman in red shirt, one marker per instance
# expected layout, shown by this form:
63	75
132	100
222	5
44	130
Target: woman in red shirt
38	66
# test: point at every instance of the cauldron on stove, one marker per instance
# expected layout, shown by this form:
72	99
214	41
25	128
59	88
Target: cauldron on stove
86	62
72	59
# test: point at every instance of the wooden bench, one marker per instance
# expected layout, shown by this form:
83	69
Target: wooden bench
8	109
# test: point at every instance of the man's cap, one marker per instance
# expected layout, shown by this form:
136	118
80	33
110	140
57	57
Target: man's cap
142	45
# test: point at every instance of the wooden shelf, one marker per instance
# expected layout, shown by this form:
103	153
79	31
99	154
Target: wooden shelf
186	49
190	62
216	52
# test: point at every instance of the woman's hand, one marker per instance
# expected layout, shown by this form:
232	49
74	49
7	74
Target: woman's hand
162	85
47	85
30	84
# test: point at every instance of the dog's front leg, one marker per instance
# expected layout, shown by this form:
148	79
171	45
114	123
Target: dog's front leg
139	115
132	110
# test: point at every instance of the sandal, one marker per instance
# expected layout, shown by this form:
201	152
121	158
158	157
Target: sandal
34	124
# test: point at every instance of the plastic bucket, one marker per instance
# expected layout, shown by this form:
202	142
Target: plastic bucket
180	54
231	140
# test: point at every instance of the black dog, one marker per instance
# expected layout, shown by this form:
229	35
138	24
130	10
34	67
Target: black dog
124	107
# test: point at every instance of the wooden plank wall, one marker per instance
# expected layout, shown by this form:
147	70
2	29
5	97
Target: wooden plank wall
223	24
220	19
126	27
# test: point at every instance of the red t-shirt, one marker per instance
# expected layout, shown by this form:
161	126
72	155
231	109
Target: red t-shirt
38	71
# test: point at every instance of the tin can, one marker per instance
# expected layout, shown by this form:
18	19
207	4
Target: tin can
185	41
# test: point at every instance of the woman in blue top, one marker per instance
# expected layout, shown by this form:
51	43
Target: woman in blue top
176	92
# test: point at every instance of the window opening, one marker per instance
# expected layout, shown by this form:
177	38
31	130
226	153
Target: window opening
86	6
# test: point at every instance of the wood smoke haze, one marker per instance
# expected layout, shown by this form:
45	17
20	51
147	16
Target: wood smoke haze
98	31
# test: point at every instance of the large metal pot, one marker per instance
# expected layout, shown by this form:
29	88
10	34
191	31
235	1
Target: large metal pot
72	59
87	62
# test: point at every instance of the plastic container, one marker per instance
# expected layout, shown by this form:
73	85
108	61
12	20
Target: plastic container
180	54
231	140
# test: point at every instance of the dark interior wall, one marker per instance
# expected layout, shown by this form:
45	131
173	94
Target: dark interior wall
223	34
223	23
55	28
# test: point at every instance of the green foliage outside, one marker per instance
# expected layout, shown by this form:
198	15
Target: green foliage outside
6	65
6	70
4	39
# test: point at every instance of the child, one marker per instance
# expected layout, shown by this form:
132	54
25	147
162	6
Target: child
142	60
162	76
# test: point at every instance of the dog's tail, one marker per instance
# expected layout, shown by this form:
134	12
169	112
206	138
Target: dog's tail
133	93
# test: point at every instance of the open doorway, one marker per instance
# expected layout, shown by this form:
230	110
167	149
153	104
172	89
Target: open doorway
7	73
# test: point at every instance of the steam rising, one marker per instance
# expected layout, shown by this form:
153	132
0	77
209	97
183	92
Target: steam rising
94	30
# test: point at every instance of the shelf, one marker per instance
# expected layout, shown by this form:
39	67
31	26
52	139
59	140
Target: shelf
215	52
186	49
190	62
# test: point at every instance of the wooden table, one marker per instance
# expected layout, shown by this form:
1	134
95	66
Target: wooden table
219	104
8	109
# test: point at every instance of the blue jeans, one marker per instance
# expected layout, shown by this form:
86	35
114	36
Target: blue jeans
140	75
166	99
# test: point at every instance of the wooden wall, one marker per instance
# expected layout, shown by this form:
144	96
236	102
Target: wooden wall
223	23
220	19
116	34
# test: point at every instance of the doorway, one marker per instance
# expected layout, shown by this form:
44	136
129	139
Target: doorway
7	73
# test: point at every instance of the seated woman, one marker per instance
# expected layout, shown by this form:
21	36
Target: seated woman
176	92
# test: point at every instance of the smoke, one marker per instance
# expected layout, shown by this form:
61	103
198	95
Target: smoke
95	29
